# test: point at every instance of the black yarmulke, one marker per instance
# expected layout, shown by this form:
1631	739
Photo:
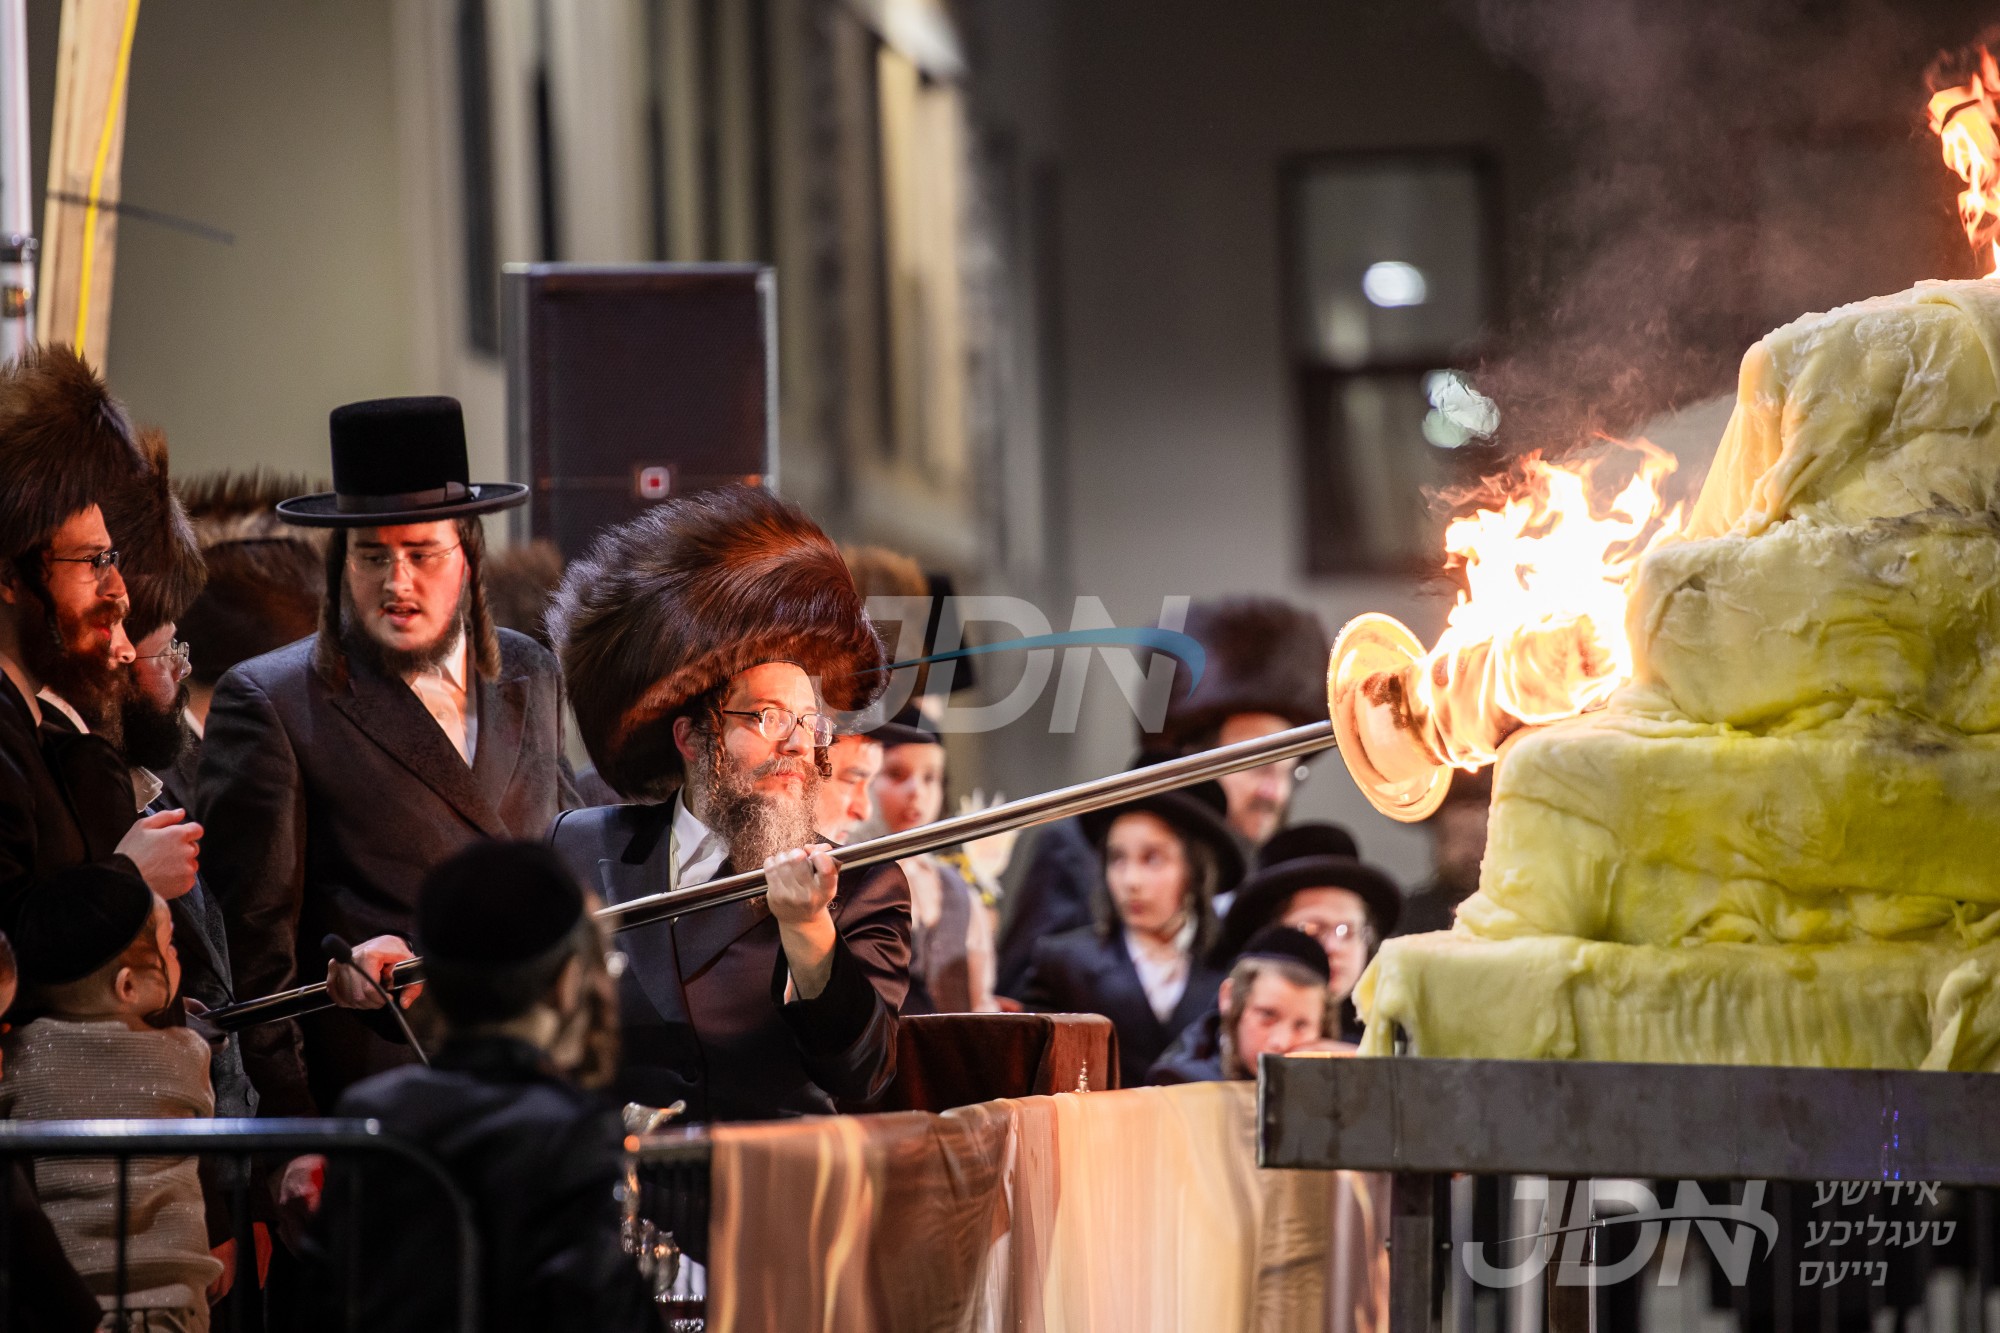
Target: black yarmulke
74	921
497	904
1293	945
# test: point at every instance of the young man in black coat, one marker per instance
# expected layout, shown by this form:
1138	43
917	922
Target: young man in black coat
703	642
514	964
335	772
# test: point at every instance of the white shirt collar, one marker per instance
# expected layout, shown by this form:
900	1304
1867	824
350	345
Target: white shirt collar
146	786
1163	979
699	851
451	668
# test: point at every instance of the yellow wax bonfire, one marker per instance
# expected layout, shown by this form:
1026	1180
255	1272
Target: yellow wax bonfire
1780	842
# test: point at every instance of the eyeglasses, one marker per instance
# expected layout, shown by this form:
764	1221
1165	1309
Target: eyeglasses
175	655
777	724
100	564
381	563
1339	931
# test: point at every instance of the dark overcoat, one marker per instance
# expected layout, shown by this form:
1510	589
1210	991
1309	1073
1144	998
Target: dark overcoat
701	1001
46	821
536	1158
1054	895
1085	972
325	804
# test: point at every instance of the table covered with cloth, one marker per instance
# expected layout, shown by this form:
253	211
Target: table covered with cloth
1139	1209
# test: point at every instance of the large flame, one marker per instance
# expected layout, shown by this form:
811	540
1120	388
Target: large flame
1538	634
1965	120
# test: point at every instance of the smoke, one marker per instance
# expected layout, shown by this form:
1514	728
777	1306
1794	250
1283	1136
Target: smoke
1725	166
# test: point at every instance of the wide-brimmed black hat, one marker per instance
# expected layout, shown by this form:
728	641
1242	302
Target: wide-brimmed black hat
1200	812
1307	856
399	460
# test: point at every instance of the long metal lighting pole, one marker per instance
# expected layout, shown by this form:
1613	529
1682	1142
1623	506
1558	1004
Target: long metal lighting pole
1061	803
18	249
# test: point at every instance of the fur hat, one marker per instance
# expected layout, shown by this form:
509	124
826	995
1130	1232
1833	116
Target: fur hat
1264	656
262	593
159	556
65	444
266	578
670	605
243	506
520	581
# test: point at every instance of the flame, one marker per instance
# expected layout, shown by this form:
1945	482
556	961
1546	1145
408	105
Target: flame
1965	120
1538	634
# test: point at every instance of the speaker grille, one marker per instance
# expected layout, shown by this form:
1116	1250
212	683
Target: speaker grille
627	385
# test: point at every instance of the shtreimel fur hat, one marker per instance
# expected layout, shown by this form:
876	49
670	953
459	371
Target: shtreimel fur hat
159	556
1264	656
65	443
672	604
266	578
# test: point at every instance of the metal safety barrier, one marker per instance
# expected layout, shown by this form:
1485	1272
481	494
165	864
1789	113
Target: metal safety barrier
242	1145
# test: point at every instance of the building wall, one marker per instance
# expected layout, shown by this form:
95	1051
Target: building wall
1174	118
275	122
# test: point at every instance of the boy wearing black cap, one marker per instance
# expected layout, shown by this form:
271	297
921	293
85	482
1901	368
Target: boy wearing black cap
96	954
1275	1001
514	964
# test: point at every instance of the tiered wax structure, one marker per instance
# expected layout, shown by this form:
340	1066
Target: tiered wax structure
1780	844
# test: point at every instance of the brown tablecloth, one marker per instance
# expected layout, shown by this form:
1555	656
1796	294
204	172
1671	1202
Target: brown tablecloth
1141	1209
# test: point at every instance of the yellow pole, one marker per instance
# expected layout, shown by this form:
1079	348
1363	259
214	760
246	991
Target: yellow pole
86	151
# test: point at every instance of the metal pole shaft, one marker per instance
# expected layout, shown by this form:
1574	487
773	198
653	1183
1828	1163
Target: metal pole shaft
1061	803
18	251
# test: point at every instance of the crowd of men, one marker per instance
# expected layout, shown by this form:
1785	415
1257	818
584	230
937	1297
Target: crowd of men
252	739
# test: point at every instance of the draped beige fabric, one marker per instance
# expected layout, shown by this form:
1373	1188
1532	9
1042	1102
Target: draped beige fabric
1141	1209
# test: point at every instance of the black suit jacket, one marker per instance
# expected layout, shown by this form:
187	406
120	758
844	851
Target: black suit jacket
1053	896
1082	972
701	1002
60	798
325	805
538	1160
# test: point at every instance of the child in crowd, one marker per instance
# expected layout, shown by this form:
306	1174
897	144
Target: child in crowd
96	959
45	1294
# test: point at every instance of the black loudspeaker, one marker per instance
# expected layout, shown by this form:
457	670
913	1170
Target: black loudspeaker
631	383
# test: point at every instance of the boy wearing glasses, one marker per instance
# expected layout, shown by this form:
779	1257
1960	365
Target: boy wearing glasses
709	643
336	771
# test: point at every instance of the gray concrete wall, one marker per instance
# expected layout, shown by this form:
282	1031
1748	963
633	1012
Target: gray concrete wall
1175	118
274	121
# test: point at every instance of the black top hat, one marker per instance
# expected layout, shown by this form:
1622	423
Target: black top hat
1199	812
399	460
1306	856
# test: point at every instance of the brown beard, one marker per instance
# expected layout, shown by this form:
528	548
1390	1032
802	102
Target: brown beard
89	683
399	662
753	825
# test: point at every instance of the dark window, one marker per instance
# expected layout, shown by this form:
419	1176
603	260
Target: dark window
475	145
1390	289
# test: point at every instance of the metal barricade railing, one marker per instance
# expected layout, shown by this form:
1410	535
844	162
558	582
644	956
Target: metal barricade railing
242	1143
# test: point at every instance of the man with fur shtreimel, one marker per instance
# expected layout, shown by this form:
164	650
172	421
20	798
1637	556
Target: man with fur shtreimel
65	796
705	644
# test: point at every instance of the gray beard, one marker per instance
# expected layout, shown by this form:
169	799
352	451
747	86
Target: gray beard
755	827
